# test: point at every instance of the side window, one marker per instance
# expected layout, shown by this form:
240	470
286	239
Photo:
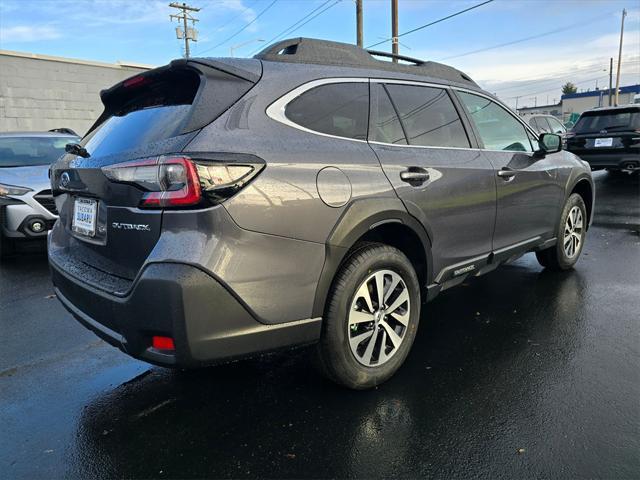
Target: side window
428	116
498	129
543	125
556	126
340	109
385	125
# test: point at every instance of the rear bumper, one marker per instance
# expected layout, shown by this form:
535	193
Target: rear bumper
617	160
206	321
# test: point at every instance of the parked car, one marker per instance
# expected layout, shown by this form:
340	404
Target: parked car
608	137
546	124
27	209
220	208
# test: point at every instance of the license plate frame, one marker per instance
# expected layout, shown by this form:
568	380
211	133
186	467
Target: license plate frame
84	219
603	142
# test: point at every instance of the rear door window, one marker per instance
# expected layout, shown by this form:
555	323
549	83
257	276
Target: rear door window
498	129
385	124
428	116
339	109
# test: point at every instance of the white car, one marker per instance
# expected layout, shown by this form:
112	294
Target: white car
27	209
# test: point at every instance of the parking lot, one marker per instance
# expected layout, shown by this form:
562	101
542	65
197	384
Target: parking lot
520	373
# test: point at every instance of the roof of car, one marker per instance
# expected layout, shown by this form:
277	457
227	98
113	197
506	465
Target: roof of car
324	52
36	134
618	107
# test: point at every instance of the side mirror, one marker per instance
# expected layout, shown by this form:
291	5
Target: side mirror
549	143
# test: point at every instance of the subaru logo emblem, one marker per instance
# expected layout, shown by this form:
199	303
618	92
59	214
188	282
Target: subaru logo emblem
603	131
64	179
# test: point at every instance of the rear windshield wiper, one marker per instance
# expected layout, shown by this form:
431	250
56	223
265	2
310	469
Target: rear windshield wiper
76	149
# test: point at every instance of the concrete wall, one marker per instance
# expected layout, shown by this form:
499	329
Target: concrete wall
38	92
580	104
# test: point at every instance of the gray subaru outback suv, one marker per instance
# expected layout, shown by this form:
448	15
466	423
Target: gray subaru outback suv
314	194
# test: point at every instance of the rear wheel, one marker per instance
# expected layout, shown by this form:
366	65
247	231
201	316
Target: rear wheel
571	234
371	318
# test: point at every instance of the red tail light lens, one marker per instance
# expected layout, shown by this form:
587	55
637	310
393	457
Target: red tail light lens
162	343
169	181
178	178
181	181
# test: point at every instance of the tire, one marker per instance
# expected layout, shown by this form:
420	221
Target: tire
571	233
350	313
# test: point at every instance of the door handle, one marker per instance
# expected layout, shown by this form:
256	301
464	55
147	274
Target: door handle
507	173
414	176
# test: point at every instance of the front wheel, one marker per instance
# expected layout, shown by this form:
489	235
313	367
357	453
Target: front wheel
571	234
371	318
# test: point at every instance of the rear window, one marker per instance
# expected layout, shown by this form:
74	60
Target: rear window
340	109
594	122
30	151
143	111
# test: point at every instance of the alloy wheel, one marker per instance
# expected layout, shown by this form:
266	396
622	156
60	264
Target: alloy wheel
378	318
573	230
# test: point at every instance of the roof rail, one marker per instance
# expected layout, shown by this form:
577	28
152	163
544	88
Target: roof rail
325	52
377	53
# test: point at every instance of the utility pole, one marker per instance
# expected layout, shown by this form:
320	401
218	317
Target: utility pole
610	78
517	104
360	40
187	33
624	14
394	28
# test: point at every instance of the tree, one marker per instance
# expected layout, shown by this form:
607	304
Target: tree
569	88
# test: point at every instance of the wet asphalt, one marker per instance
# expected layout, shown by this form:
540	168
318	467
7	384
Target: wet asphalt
521	373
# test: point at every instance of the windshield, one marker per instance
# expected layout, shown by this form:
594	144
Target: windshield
30	151
612	120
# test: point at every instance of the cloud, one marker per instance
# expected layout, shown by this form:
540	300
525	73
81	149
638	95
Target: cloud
28	33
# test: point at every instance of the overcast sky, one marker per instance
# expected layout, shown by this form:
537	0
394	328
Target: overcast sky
515	48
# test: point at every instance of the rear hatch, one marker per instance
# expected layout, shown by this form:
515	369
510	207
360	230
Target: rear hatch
606	132
112	220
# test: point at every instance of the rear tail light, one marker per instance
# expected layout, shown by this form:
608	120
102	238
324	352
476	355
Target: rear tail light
162	343
181	181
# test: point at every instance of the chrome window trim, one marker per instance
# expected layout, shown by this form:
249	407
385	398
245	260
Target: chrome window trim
276	110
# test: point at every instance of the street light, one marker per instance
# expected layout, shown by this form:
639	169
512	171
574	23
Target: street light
235	47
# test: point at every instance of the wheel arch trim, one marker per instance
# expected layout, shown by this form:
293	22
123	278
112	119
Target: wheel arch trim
359	218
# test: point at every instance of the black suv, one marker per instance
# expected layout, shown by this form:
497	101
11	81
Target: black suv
313	194
608	137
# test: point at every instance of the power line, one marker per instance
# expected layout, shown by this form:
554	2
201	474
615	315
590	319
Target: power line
432	23
526	39
286	30
555	88
316	15
242	29
234	18
560	77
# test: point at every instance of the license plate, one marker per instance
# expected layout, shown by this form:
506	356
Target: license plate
603	142
84	216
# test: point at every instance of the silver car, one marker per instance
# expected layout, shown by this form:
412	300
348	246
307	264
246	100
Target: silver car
27	209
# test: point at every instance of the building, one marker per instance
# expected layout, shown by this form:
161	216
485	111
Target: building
554	109
40	92
573	104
